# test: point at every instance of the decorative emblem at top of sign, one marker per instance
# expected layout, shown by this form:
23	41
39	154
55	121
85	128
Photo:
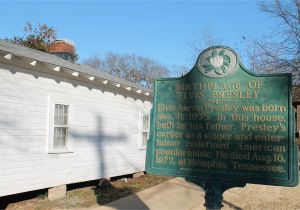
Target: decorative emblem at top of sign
217	62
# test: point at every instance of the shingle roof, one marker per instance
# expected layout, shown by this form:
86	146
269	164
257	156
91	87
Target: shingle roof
22	51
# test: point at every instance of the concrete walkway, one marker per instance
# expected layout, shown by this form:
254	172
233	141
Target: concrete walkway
173	194
182	195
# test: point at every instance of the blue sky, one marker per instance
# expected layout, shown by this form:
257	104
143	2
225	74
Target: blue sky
160	30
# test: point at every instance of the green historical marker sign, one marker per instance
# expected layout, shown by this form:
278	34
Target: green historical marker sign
222	126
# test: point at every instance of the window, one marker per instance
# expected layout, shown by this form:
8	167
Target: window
59	123
60	134
144	131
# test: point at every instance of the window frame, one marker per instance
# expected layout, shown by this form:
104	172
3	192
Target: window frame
51	115
142	130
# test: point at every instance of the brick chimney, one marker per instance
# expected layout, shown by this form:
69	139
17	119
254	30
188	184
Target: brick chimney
63	48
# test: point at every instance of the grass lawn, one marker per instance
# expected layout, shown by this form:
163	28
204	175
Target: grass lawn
91	195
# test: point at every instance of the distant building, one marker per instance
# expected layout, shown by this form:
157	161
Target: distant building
64	123
64	49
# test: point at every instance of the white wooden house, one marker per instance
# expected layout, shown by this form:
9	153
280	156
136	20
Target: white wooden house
63	123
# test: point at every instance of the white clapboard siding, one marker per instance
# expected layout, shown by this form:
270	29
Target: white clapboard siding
103	125
26	163
58	165
44	182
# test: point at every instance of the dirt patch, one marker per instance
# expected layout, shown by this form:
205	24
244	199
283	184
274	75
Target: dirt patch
253	197
91	195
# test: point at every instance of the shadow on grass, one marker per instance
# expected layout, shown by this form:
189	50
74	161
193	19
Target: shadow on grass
111	196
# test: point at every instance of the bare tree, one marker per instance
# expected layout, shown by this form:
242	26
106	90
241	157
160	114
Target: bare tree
205	40
133	68
279	52
179	70
93	61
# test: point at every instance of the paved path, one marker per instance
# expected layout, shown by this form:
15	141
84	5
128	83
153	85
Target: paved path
179	194
173	194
